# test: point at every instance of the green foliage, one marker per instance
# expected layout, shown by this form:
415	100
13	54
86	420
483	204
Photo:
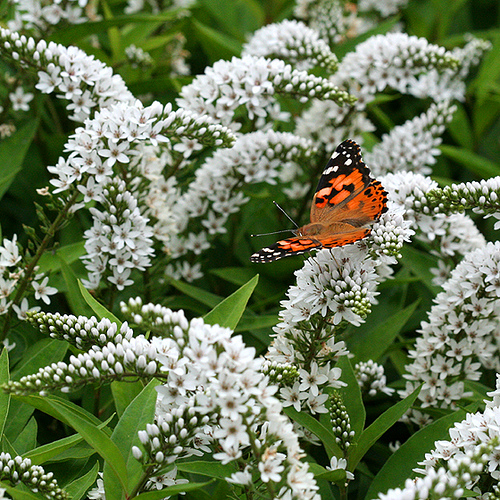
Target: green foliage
231	293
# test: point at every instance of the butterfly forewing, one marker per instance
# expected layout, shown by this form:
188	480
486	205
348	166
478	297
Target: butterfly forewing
346	202
344	178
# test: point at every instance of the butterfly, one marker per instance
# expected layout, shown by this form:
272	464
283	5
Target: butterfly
347	201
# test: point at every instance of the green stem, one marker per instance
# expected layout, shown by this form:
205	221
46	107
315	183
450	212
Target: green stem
30	268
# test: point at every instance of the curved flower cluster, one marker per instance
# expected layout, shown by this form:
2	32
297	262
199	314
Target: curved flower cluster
128	359
80	331
412	146
449	236
341	422
216	398
83	80
449	481
371	378
252	82
119	239
339	292
19	470
481	196
293	42
215	192
408	64
461	334
466	436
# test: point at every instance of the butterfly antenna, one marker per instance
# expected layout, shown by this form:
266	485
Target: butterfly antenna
286	215
274	232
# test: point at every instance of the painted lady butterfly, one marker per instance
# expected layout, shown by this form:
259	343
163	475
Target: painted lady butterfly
346	202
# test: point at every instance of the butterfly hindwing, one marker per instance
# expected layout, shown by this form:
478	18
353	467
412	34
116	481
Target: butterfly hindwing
284	248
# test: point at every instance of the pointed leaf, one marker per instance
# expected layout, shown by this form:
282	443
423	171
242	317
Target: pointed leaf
98	308
381	338
47	452
323	433
80	486
124	393
85	424
379	427
135	418
206	468
477	164
17	494
229	311
207	298
74	296
13	149
4	397
42	353
401	463
351	396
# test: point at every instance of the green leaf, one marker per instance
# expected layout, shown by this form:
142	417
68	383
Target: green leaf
74	296
376	342
80	486
471	161
379	427
4	397
460	127
216	44
207	298
85	424
98	308
334	476
351	396
479	390
18	494
171	490
48	451
401	463
323	433
124	393
42	353
75	32
206	468
26	439
489	70
229	311
51	261
13	149
237	17
248	322
419	263
135	418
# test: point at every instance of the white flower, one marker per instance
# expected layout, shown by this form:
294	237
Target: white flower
340	463
20	99
42	291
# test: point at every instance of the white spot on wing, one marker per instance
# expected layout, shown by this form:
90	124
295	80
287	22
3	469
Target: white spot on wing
334	155
348	162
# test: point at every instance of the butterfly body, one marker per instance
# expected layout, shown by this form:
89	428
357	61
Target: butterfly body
347	201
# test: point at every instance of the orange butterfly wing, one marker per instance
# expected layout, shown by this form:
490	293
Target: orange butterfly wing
347	199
